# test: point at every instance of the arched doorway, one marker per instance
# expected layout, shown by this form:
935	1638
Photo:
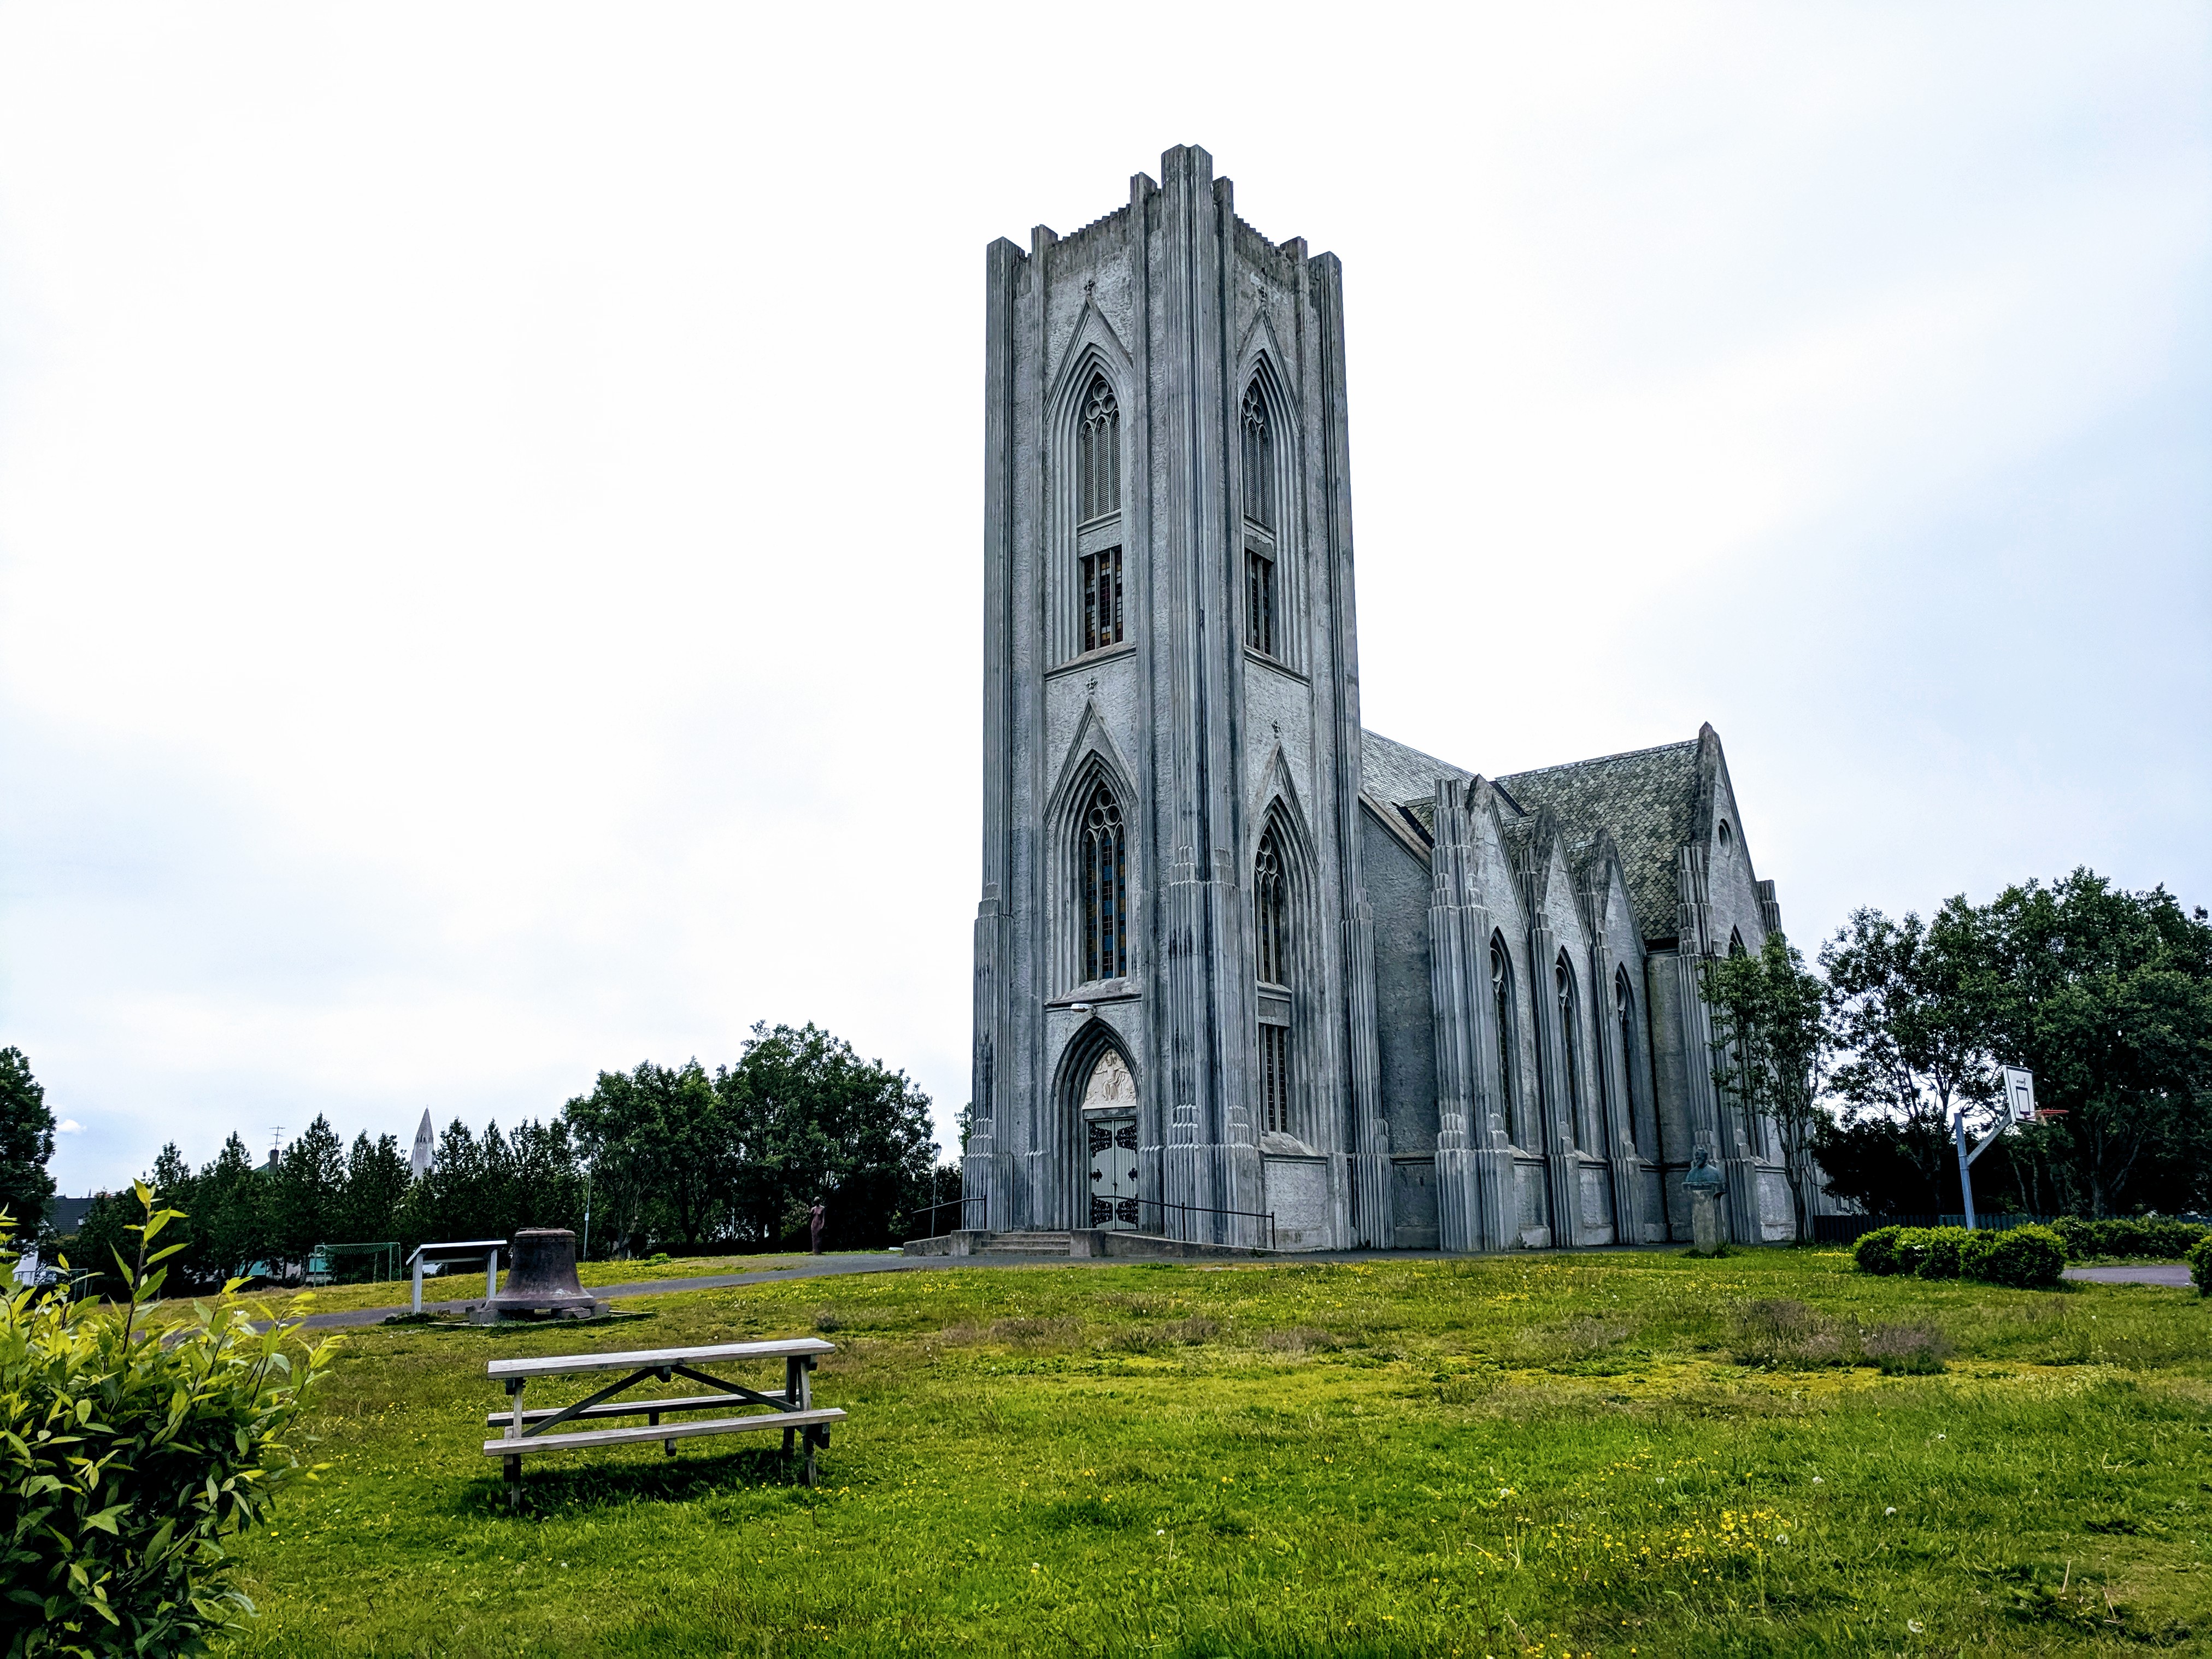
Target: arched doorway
1109	1108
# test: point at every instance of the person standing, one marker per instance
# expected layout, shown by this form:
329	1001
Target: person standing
815	1218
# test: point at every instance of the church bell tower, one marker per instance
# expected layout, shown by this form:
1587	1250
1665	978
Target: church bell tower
1175	1029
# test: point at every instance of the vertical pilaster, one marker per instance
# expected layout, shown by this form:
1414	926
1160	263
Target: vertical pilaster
1369	1137
1619	1093
986	1172
1186	536
1562	1164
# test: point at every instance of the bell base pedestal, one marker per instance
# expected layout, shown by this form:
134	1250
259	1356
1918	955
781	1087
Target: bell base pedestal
528	1313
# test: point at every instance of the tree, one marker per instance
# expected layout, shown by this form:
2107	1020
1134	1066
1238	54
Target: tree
2106	995
304	1199
1913	1009
1770	1045
663	1149
26	1144
233	1198
376	1179
819	1123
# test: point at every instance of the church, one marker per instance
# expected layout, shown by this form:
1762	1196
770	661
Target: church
1246	973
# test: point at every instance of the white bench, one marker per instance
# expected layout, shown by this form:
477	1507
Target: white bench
792	1410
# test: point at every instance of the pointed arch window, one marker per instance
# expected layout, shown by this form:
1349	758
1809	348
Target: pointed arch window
1262	592
1268	912
1098	453
1624	1011
1501	996
1258	459
1105	888
1271	952
1577	1112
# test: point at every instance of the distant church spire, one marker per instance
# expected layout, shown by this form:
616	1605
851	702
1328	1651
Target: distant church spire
419	1160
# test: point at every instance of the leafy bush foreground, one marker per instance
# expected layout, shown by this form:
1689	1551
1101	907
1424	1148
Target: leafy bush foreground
2025	1258
130	1455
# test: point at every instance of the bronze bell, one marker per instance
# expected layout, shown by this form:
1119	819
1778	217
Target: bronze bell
542	1276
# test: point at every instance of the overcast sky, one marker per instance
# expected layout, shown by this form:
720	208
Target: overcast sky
491	497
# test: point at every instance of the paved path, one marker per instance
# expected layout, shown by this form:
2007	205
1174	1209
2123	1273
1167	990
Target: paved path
2150	1272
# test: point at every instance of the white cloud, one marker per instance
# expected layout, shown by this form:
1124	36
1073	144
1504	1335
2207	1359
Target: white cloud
488	534
69	1126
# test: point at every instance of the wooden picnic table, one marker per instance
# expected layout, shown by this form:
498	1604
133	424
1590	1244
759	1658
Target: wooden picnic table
792	1410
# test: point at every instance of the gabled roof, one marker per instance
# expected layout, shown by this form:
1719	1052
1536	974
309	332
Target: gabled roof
1389	771
1648	800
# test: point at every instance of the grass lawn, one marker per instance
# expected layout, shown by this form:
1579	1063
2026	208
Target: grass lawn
1633	1453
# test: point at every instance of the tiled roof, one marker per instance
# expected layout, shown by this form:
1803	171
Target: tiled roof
1389	771
1649	801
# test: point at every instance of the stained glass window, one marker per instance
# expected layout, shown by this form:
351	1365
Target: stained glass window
1102	600
1259	460
1105	889
1098	454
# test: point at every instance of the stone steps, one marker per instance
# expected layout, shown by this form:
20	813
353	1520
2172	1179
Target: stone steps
1029	1243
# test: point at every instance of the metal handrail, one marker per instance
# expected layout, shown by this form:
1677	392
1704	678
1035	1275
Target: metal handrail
1164	1204
956	1205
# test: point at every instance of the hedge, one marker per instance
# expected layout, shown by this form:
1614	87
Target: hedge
2152	1235
2200	1265
2025	1258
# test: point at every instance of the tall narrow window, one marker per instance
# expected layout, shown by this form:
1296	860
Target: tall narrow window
1624	1008
1267	912
1563	978
1275	1078
1259	460
1272	952
1501	995
1099	453
1259	602
1101	599
1105	881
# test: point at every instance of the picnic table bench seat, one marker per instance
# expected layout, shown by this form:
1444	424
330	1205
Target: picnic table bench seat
793	1410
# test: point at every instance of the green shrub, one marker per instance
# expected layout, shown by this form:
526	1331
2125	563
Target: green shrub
1876	1252
2200	1264
128	1456
2129	1237
2026	1258
1935	1252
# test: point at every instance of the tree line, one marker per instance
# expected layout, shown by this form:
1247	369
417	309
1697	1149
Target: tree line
671	1158
2105	994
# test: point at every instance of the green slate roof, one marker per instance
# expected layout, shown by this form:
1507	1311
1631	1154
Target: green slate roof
1648	800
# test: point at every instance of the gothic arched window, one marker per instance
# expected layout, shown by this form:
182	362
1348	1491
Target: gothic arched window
1259	460
1263	624
1623	1010
1105	888
1269	913
1570	1071
1272	951
1501	995
1098	453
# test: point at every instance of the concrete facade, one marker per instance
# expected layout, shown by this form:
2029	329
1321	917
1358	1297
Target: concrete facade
1297	936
